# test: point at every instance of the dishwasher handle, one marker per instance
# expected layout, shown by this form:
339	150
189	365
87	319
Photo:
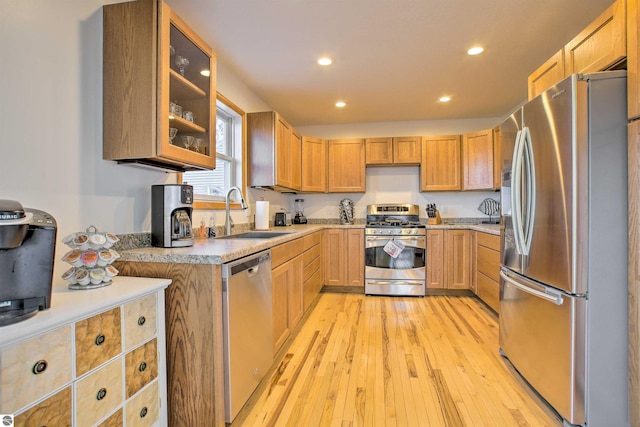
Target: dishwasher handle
250	264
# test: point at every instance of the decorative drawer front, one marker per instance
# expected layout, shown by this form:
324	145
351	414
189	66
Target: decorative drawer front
310	269
54	411
141	367
115	420
489	240
34	368
284	252
99	393
312	240
98	339
143	410
489	291
311	289
311	254
139	321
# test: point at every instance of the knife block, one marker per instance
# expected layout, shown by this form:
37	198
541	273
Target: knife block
435	220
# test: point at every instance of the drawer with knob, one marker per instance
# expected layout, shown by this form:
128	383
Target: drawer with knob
143	409
34	368
139	321
98	339
141	367
99	393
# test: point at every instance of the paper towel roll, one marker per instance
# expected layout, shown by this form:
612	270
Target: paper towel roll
262	215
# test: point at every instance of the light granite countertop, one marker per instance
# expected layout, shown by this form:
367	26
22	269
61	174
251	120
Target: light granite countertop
219	251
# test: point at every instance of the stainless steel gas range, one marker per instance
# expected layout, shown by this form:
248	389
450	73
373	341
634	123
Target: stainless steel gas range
395	251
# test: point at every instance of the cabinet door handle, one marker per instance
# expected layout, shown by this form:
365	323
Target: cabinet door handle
100	339
102	393
39	367
143	412
141	320
142	367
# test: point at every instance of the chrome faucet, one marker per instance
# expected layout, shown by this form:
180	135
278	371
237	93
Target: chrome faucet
227	222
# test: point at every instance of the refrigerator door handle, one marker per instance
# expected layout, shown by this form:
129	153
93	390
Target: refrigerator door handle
530	171
516	214
551	296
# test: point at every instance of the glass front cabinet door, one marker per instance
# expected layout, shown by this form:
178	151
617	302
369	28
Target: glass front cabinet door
159	88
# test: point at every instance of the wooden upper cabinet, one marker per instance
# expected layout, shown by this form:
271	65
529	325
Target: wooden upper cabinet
548	74
407	150
379	151
314	165
601	45
440	167
477	163
274	152
346	166
633	60
404	150
143	42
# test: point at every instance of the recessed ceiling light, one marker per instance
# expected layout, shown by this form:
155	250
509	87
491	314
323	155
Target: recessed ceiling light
325	60
341	104
205	73
475	50
445	99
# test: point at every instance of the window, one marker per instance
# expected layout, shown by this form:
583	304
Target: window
210	187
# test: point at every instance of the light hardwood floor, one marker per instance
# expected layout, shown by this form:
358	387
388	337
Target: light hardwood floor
382	361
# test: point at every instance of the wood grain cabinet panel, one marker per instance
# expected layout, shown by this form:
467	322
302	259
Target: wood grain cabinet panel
346	166
115	420
548	74
141	367
457	259
144	409
379	151
601	45
139	321
34	368
344	257
487	262
98	339
441	163
53	411
435	259
633	64
314	165
489	291
287	294
477	163
99	393
407	150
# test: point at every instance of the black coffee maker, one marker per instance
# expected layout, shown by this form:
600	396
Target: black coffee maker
27	251
171	210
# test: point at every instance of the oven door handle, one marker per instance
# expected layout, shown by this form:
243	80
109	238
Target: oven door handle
394	282
387	238
409	242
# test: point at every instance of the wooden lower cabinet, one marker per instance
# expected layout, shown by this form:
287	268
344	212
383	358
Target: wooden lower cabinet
487	273
312	268
448	259
286	293
344	257
96	377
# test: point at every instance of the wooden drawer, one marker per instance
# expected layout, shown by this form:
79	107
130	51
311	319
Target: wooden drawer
98	339
489	240
99	393
34	368
139	321
144	409
489	292
310	269
115	420
54	411
489	263
311	240
311	289
310	255
141	367
286	251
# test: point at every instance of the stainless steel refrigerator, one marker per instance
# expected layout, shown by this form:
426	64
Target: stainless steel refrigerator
563	298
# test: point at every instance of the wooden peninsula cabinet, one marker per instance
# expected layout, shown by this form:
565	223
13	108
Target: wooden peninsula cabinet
152	60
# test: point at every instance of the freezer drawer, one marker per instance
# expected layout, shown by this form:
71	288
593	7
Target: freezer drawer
542	334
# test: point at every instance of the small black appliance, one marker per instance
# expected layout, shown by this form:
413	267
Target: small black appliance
171	210
27	252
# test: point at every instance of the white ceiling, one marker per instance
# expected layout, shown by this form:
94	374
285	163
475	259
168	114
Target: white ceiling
393	58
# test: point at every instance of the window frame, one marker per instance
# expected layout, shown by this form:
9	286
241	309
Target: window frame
218	205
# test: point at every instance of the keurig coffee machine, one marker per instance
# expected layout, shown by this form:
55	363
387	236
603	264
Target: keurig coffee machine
171	210
27	251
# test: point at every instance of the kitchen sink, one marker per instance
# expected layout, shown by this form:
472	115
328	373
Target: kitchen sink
255	235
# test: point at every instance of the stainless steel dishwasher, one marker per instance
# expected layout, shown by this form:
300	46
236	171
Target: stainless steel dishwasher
248	331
